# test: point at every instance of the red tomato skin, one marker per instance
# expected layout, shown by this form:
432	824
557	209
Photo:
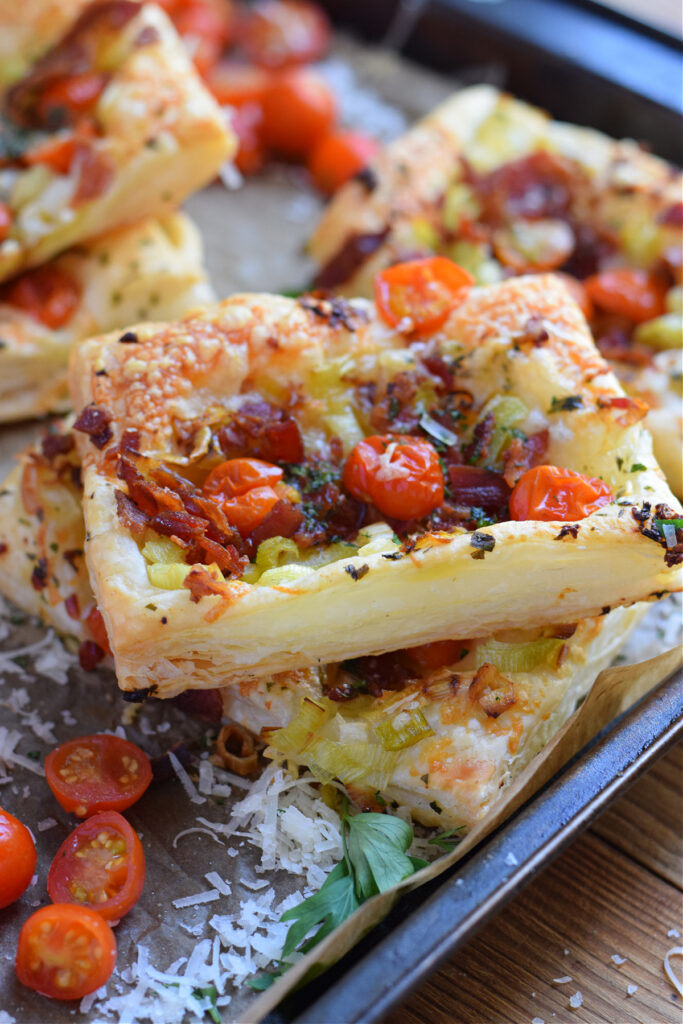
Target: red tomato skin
104	790
17	858
413	494
550	493
298	109
235	477
635	294
235	84
420	293
249	510
337	157
76	93
283	33
46	293
5	221
430	657
67	862
64	917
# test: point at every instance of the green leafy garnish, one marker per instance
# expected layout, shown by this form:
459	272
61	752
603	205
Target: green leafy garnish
447	840
637	467
210	992
375	859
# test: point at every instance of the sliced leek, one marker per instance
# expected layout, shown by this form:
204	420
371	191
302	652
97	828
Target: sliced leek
302	730
166	575
518	657
403	730
276	551
351	762
162	550
284	574
507	413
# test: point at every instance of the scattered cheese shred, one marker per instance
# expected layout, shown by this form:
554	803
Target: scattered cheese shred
223	886
576	1000
185	780
669	971
618	960
562	981
631	990
193	901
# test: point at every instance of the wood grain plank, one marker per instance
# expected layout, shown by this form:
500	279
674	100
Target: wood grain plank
593	902
646	823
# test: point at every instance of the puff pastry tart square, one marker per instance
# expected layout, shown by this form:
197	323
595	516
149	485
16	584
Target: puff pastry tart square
152	268
439	729
502	189
111	125
345	422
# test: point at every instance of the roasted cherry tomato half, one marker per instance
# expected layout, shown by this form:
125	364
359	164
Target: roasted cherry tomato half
337	157
298	109
65	951
400	475
97	773
549	493
46	293
206	27
101	865
281	33
5	220
235	84
634	294
419	295
430	657
77	94
17	858
237	476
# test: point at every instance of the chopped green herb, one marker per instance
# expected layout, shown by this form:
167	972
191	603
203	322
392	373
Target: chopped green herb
637	467
447	840
566	404
436	807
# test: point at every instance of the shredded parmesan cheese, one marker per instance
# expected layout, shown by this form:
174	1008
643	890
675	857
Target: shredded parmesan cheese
185	780
193	901
668	969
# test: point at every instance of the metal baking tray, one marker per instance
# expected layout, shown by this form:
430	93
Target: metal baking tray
592	66
443	915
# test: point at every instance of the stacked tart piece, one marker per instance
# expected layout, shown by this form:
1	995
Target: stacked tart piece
100	140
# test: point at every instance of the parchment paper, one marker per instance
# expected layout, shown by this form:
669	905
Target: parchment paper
254	240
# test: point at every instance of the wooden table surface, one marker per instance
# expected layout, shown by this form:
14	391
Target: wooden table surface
618	890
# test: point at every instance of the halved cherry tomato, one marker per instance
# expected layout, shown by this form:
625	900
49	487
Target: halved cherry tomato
281	33
65	952
337	157
548	493
56	152
17	858
5	220
47	293
234	84
249	510
430	657
532	246
237	476
77	94
298	109
401	475
420	294
101	865
635	294
246	122
97	773
206	28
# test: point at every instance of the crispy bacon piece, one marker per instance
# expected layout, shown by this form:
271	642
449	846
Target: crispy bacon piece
261	430
629	410
95	421
57	444
201	584
95	173
283	520
206	704
380	672
493	691
522	455
478	448
132	518
352	255
474	487
393	412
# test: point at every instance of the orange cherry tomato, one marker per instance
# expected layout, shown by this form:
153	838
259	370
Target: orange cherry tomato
401	475
101	865
77	94
337	157
17	858
430	657
234	84
5	220
420	294
251	153
56	152
298	109
47	293
96	625
549	493
206	28
237	476
97	773
282	33
635	294
65	951
249	510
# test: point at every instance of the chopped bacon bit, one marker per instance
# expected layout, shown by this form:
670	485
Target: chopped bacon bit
39	574
493	691
336	311
95	421
71	555
522	455
534	334
568	530
95	624
30	489
4	548
201	584
478	448
90	655
353	253
130	441
95	173
73	608
437	366
263	431
634	409
392	413
475	487
283	520
57	444
132	518
206	704
380	672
